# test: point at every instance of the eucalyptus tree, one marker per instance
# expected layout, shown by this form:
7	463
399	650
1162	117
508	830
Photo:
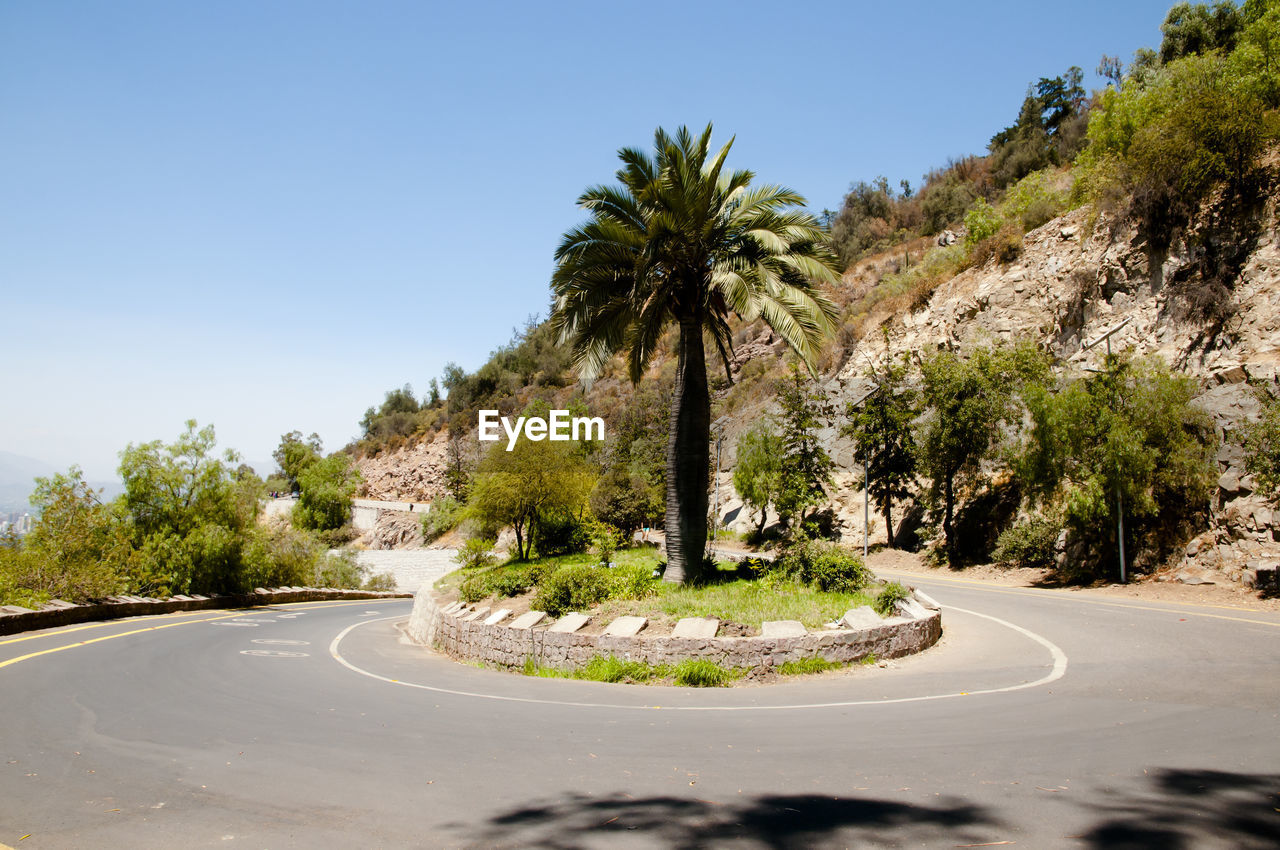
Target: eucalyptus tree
683	242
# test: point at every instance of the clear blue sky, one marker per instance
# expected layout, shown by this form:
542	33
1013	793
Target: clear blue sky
264	215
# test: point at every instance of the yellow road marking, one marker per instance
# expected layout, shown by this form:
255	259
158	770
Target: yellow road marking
1045	593
55	631
113	637
241	613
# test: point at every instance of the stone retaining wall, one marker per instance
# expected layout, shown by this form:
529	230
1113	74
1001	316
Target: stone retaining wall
58	613
510	647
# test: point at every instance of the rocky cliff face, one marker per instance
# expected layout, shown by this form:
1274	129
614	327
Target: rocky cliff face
412	474
1208	305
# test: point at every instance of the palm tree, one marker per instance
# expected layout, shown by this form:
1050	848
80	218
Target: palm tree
679	242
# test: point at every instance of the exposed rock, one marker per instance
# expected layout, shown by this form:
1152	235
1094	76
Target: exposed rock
413	474
394	530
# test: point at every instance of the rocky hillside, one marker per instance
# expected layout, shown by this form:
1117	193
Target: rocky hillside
1074	279
411	474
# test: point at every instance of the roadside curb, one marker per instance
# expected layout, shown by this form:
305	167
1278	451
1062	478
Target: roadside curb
59	613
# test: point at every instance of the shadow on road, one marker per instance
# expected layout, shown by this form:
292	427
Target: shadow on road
1193	808
787	821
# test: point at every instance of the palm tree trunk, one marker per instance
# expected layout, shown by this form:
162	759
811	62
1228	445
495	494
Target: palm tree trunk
688	459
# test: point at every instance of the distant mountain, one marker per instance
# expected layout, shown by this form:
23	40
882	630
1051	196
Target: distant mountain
17	480
16	474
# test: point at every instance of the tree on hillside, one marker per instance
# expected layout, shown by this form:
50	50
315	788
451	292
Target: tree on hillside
805	466
882	427
190	517
328	486
681	243
78	547
1129	433
967	402
295	454
1262	447
1196	28
522	487
757	475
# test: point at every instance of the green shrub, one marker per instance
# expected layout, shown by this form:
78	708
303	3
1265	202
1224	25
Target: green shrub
562	533
1033	200
982	222
1030	543
382	581
475	553
701	673
512	581
632	581
475	588
574	587
822	565
340	570
1262	448
444	515
1004	247
890	594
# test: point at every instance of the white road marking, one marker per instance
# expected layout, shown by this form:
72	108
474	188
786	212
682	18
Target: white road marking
248	623
274	653
1057	671
281	642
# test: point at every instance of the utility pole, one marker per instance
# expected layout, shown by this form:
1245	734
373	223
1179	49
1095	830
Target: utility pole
866	475
1106	337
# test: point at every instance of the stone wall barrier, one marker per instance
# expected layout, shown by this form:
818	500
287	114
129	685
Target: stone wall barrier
498	644
14	618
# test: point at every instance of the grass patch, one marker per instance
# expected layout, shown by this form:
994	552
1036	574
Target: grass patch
690	673
701	673
630	591
806	666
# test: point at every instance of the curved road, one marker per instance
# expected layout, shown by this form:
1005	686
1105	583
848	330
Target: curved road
1042	719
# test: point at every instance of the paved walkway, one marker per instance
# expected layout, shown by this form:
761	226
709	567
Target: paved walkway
379	504
411	567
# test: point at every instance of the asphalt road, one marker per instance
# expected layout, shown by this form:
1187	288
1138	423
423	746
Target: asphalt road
1042	719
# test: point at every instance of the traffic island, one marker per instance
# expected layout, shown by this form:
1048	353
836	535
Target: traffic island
456	630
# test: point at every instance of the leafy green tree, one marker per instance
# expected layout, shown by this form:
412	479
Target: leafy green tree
190	516
1196	28
806	466
457	475
757	475
882	427
327	486
967	401
1049	129
1130	431
1262	448
681	243
1165	140
623	501
295	454
78	548
522	487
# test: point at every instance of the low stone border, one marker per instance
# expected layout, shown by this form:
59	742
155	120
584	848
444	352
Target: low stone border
14	618
918	626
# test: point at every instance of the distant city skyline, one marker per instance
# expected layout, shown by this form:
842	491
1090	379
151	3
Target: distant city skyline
265	216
